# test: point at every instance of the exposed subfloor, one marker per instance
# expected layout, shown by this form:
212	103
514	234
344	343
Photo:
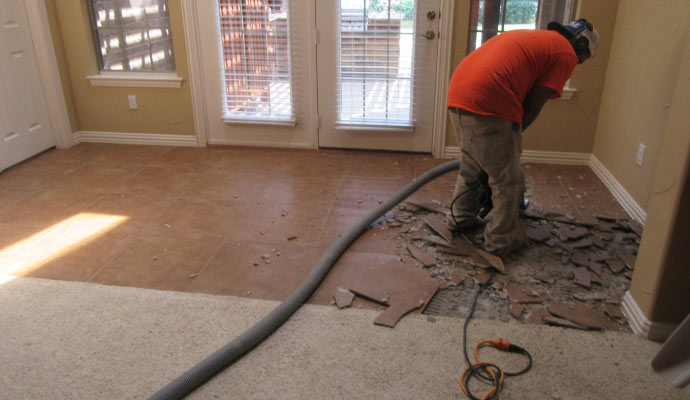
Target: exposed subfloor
253	223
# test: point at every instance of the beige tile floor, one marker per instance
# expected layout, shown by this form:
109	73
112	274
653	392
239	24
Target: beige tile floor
199	219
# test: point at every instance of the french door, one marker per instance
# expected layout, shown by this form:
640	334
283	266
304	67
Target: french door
319	73
377	73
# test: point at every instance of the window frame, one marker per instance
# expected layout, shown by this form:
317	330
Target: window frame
568	13
114	78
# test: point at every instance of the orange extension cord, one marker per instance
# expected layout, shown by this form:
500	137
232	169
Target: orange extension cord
488	371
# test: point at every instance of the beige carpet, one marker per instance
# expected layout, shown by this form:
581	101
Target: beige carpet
67	340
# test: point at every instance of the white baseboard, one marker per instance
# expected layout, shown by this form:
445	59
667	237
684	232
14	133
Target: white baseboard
554	157
618	191
135	138
249	143
642	326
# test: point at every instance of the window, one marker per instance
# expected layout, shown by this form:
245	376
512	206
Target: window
255	36
133	35
376	42
489	18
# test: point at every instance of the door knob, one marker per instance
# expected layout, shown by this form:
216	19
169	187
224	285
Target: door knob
429	35
431	15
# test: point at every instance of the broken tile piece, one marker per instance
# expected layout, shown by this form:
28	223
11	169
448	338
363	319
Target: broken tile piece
616	265
581	259
552	242
433	239
516	310
565	258
596	279
538	233
565	247
577	313
613	311
566	233
535	317
343	298
456	279
423	257
582	243
495	261
589	296
599	257
462	245
583	277
629	259
439	226
605	217
482	278
524	294
391	315
597	241
402	287
555	321
546	278
595	267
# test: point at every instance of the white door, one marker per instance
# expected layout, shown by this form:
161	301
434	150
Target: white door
257	72
25	128
377	73
368	84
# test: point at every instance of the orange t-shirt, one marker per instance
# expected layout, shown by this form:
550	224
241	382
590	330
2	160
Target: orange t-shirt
495	78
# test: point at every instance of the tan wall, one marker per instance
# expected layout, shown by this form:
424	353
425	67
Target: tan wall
640	81
563	125
661	282
105	109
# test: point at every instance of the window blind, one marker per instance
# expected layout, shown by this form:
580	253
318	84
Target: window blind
133	35
255	38
376	52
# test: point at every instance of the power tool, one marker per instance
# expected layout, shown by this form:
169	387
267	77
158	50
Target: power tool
483	197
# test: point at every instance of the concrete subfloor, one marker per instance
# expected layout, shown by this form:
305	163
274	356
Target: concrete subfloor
75	340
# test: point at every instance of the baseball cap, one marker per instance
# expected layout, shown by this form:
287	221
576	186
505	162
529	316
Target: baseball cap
575	29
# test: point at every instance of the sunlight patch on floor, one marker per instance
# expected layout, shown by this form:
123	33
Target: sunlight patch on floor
35	251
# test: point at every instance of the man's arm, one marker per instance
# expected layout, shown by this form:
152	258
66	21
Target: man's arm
533	103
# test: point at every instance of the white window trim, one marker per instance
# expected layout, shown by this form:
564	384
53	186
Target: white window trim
568	93
230	120
136	79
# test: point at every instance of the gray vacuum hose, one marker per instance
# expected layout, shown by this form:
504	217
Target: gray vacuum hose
233	351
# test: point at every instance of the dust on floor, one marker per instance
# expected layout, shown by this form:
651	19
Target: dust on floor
573	273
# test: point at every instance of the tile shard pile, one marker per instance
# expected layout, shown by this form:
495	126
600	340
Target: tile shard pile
582	291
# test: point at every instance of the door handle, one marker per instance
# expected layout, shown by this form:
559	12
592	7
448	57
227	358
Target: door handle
429	35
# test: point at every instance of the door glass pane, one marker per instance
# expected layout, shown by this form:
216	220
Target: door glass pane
376	48
256	59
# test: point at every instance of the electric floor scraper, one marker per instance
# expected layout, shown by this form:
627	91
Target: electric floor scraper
483	197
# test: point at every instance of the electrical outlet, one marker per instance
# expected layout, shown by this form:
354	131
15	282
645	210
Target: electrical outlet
640	155
132	102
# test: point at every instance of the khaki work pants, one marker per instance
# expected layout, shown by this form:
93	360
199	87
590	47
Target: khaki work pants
494	145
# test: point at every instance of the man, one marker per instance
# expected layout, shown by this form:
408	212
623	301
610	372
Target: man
495	93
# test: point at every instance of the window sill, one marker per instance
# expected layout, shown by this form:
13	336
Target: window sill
344	126
236	121
136	79
568	93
